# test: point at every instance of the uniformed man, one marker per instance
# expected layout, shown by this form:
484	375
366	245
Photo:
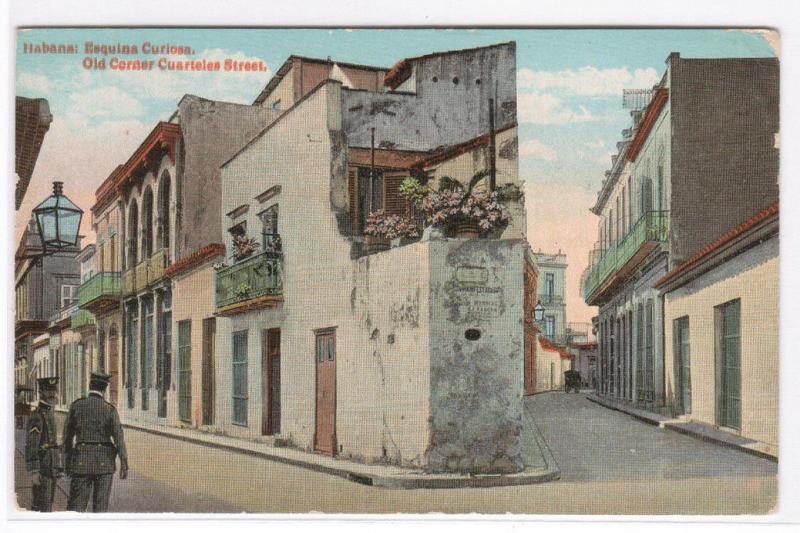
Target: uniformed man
43	457
92	440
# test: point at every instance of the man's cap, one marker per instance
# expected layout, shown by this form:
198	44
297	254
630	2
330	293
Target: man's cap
47	383
99	379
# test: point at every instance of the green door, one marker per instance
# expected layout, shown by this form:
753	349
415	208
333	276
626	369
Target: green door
729	371
185	370
683	383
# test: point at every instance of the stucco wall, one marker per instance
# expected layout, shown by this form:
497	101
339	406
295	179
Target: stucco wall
724	119
476	385
205	150
452	109
751	277
545	359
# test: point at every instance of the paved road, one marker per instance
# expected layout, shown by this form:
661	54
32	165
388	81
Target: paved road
667	473
594	443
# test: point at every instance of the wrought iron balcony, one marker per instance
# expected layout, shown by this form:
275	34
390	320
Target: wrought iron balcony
81	318
652	227
101	291
251	279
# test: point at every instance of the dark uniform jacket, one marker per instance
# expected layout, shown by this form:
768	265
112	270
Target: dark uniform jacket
94	425
42	454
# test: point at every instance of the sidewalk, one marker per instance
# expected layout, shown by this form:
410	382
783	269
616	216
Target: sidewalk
693	429
539	461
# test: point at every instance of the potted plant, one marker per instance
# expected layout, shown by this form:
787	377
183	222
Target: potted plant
465	213
243	246
382	228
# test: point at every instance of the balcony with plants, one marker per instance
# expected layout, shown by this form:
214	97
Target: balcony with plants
254	280
455	209
100	292
621	257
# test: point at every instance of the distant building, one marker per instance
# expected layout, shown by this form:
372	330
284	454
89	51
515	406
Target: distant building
550	291
721	335
700	158
42	285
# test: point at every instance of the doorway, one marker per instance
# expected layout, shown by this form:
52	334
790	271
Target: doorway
209	342
271	381
325	433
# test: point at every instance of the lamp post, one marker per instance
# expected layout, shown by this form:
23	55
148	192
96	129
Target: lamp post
58	220
538	312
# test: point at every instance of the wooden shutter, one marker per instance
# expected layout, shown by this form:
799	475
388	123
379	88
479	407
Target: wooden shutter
393	203
352	191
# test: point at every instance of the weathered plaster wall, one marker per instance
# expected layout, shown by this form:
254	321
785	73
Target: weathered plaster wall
451	104
385	416
753	278
212	132
476	385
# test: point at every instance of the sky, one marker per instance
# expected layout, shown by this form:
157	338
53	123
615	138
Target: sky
569	104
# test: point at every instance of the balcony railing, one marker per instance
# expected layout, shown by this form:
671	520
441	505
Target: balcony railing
255	277
145	273
103	285
81	318
653	226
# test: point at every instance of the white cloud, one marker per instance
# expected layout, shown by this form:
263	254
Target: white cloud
32	85
597	144
537	108
536	149
587	81
107	101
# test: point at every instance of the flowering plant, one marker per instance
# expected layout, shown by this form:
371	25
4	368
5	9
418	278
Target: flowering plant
454	206
243	289
381	224
243	246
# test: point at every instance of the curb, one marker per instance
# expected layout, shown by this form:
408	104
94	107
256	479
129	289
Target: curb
679	428
610	405
402	481
708	438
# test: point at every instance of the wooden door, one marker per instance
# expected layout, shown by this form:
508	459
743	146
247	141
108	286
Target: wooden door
184	371
113	366
680	339
729	371
325	434
271	382
209	342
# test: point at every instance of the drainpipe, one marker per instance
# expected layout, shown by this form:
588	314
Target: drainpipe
371	168
492	164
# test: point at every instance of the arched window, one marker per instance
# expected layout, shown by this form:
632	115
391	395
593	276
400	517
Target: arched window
163	211
147	223
133	234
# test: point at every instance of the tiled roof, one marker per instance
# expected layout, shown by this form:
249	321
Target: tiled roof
190	261
547	345
744	227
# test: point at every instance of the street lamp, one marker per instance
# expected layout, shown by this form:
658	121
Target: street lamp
58	221
538	312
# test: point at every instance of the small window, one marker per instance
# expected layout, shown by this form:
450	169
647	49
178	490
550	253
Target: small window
320	349
69	295
435	79
330	348
455	80
238	229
